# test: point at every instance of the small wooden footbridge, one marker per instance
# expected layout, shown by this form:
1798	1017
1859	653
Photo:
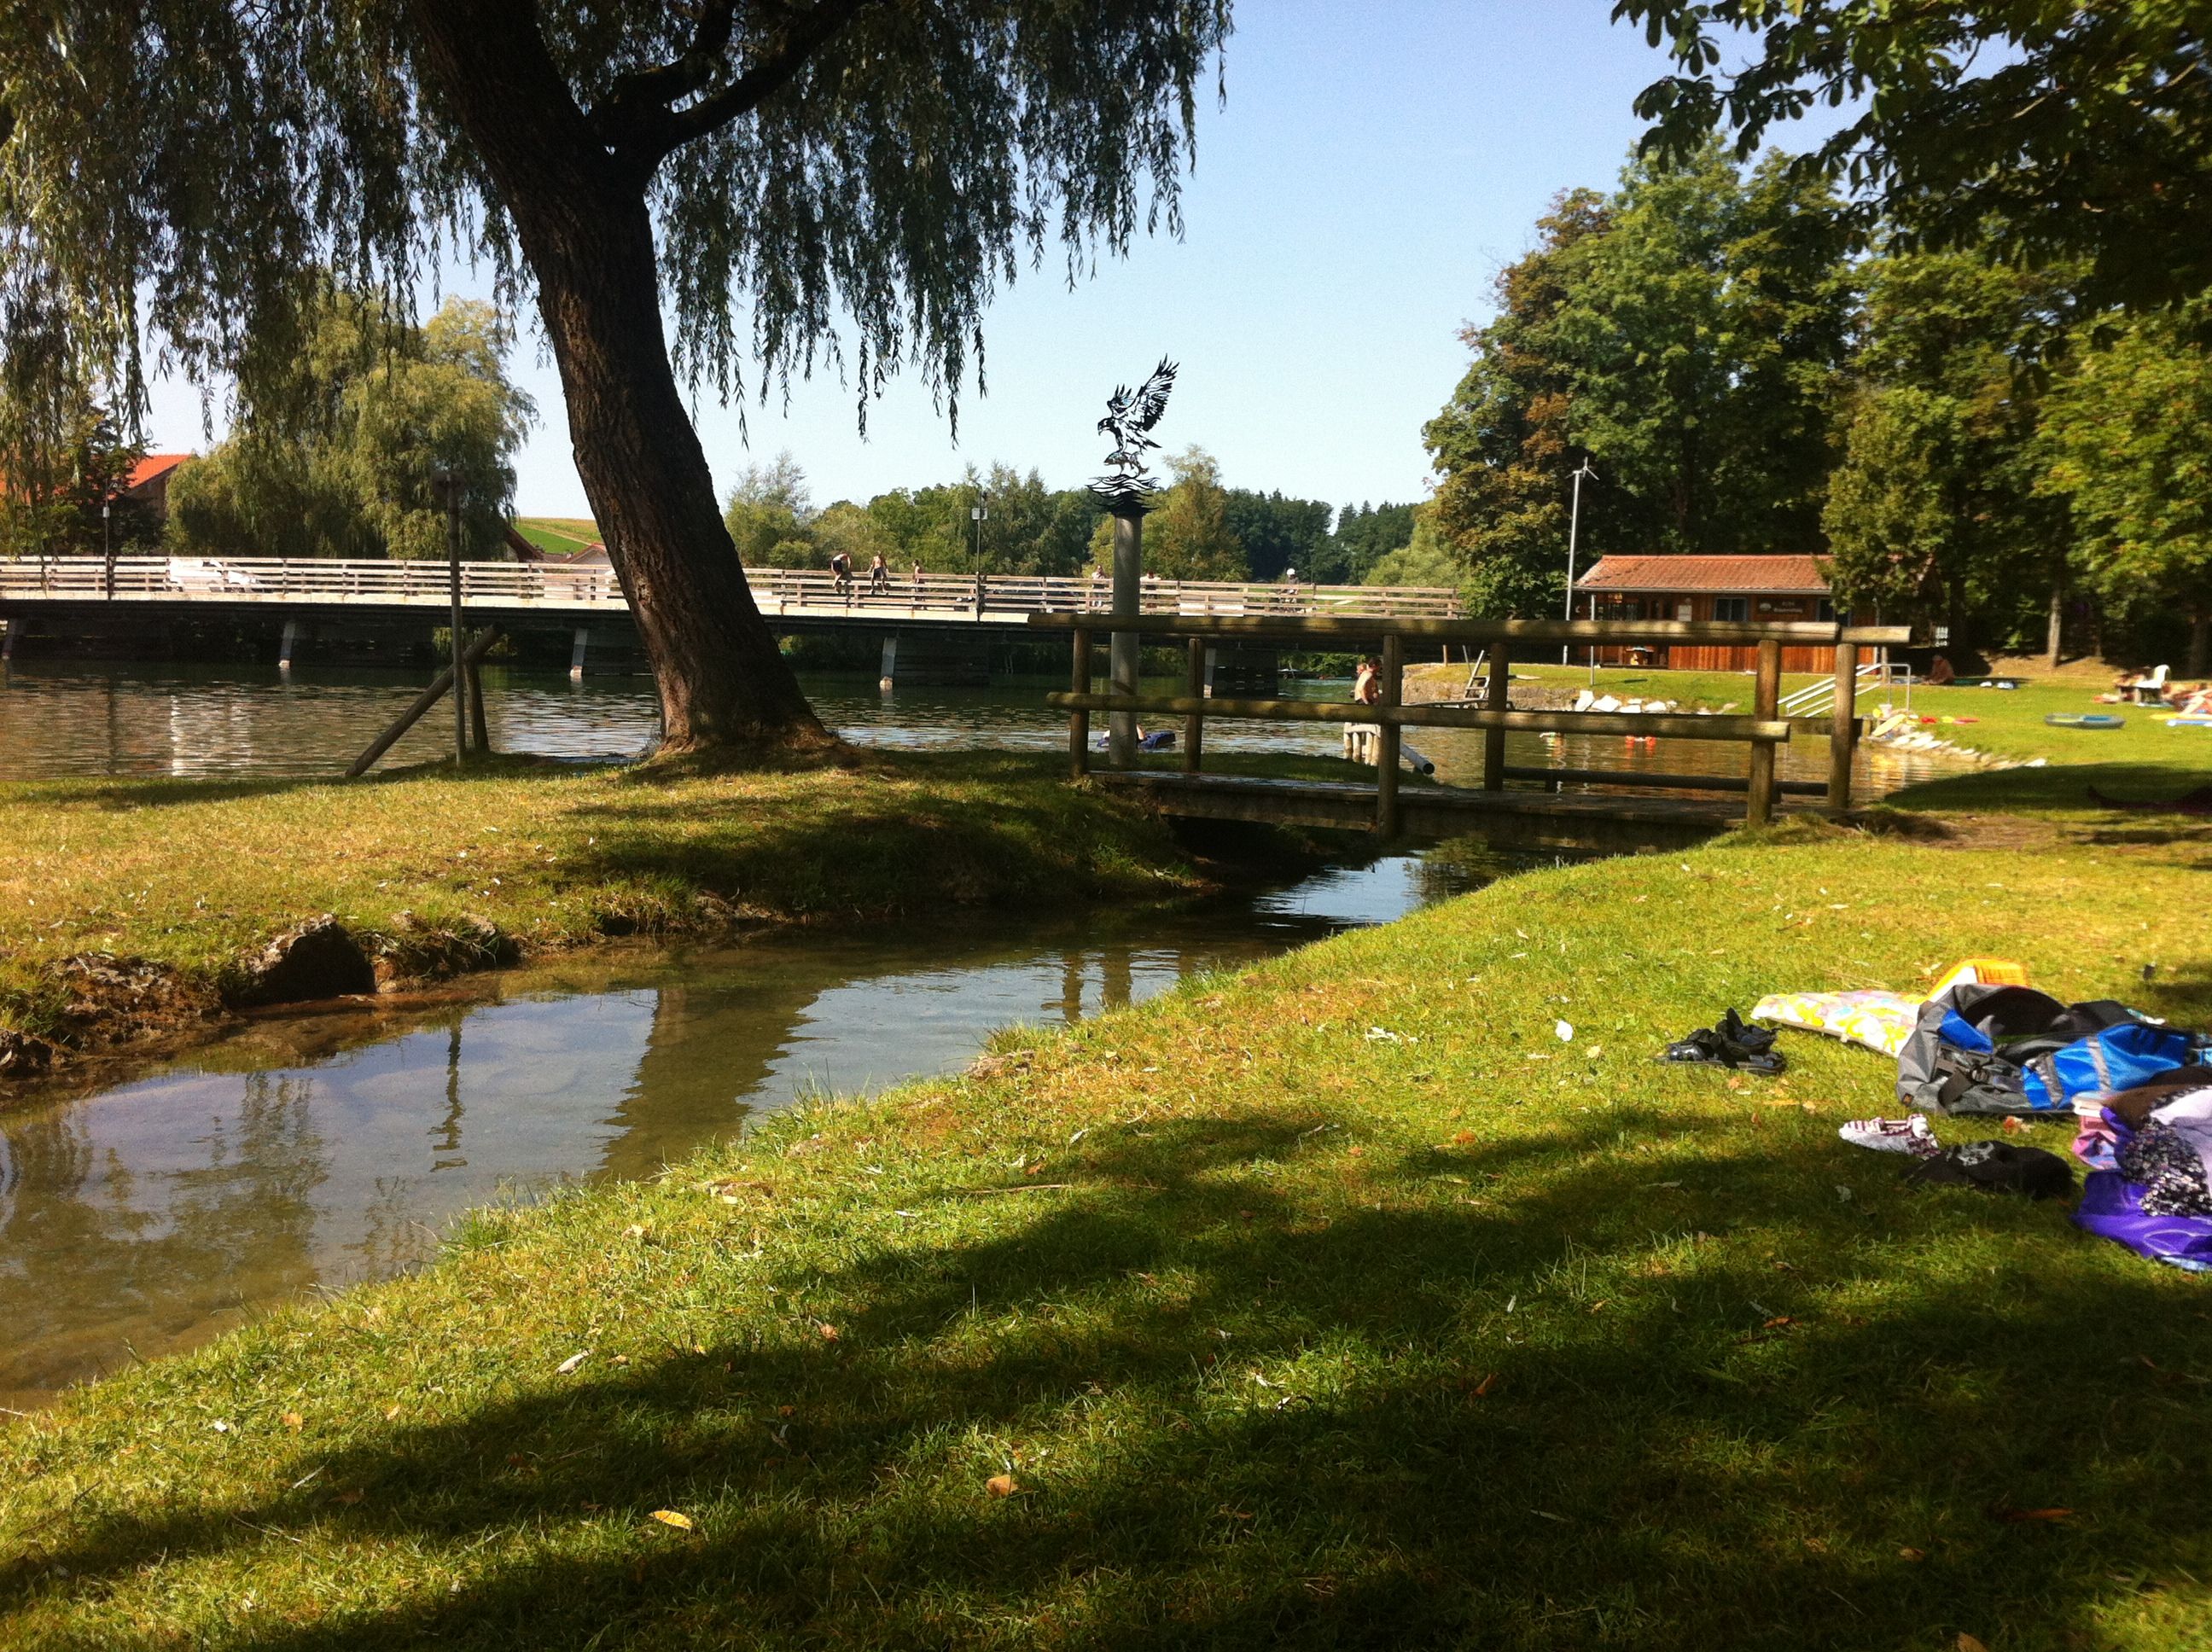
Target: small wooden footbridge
1519	806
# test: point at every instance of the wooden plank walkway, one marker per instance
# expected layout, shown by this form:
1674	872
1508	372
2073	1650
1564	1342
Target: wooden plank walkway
1565	821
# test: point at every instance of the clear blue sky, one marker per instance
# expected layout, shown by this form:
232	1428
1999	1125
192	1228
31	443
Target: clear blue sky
1375	166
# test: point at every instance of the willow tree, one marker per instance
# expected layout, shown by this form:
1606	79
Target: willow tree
842	183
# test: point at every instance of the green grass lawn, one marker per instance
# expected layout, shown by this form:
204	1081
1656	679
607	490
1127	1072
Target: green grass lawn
1341	1301
558	536
195	874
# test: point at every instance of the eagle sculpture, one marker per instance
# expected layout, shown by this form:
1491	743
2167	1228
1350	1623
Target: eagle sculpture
1130	416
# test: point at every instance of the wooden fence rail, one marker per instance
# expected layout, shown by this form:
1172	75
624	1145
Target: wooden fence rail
777	591
1762	732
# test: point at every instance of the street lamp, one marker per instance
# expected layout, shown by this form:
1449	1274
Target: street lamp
978	514
1574	532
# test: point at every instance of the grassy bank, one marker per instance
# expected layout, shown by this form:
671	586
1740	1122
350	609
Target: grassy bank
438	871
1344	1301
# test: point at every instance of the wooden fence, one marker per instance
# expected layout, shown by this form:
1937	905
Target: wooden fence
1764	730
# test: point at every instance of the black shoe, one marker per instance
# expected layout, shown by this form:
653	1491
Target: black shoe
1728	1043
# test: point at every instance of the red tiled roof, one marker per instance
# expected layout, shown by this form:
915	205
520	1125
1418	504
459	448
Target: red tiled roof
153	467
1767	574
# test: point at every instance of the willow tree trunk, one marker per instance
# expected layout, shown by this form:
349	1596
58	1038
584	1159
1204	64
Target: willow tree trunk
579	213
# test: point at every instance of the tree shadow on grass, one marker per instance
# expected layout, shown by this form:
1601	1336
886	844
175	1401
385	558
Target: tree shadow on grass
1574	1400
2062	787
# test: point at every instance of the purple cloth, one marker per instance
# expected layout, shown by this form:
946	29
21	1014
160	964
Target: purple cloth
2112	1207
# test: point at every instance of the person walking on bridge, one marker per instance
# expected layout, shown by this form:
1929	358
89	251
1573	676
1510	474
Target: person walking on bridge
879	577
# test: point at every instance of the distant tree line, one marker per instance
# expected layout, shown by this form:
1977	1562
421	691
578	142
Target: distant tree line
1198	530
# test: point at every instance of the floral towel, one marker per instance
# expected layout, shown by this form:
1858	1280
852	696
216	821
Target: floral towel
1879	1020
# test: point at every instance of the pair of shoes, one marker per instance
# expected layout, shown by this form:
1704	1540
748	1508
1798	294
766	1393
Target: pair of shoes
1728	1043
1910	1135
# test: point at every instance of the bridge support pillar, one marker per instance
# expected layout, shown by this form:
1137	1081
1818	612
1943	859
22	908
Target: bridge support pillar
285	645
1251	672
938	658
1122	650
888	675
8	630
577	650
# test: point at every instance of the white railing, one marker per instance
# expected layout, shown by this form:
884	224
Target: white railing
559	587
1817	697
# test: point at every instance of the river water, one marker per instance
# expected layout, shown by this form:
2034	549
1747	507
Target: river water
144	1208
310	1152
187	721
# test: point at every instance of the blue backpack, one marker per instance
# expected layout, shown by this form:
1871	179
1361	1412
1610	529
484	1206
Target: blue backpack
1996	1050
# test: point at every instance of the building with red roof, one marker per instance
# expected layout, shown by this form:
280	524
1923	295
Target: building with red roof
1774	590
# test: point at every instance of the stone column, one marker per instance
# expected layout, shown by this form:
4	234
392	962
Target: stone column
1121	659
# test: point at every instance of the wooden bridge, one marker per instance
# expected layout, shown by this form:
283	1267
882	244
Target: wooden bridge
303	592
1634	809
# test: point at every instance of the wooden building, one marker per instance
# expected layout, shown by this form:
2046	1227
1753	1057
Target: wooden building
1772	589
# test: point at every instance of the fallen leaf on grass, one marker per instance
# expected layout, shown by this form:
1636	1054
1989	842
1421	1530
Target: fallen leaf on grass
294	1421
670	1517
829	1332
1001	1486
391	1412
571	1362
1970	1643
1482	1388
2022	1516
347	1498
1912	1554
1777	1322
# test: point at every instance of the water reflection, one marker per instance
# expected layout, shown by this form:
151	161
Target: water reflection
317	1152
190	721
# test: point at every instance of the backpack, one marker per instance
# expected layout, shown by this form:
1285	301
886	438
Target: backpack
1998	1050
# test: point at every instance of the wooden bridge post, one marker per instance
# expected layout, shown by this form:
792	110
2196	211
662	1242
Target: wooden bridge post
1844	731
1493	739
1193	727
1767	695
1079	722
472	679
1388	738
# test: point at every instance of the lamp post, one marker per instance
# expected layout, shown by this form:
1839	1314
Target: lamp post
108	541
1574	532
978	514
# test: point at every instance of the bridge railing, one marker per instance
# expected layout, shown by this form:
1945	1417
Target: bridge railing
777	591
1764	730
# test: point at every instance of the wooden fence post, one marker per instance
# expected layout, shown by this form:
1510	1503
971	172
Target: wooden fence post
1079	722
1193	727
1844	731
1765	697
1387	740
1493	739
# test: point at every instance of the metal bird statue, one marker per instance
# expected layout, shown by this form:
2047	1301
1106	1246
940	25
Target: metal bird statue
1130	416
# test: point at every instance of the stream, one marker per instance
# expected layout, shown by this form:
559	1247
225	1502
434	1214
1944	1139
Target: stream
145	1207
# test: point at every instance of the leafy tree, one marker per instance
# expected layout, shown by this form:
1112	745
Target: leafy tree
795	161
1280	534
769	508
1683	336
1427	559
1707	326
1501	446
1187	537
1933	508
44	391
2060	132
336	454
2128	433
1364	534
